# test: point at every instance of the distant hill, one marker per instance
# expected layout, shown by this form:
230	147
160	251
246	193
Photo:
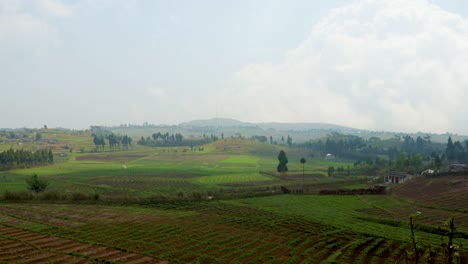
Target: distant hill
307	126
229	123
216	122
300	132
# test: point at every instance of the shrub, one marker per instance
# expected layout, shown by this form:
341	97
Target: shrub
197	195
78	196
36	184
51	195
17	196
181	194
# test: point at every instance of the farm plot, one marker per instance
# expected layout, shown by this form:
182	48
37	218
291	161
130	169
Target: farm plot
125	157
429	216
214	232
447	192
23	246
234	178
344	212
148	185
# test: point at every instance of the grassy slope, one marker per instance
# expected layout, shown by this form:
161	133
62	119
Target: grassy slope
151	171
148	171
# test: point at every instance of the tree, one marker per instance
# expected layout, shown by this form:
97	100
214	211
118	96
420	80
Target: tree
303	161
289	141
283	161
36	184
459	152
437	162
50	156
331	170
38	136
450	150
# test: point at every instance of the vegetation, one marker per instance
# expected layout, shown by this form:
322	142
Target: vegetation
283	162
22	158
36	184
225	204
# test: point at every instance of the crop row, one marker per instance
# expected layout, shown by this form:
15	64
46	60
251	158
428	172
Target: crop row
29	247
216	232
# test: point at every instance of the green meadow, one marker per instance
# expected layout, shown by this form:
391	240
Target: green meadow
222	204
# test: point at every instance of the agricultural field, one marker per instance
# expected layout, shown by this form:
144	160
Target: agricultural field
222	204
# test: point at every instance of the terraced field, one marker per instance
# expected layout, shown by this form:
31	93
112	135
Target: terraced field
23	246
273	228
203	232
445	192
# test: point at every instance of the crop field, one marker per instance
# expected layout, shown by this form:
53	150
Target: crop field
206	233
141	172
161	205
277	229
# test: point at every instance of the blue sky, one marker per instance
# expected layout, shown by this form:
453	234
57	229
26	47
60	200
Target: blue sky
382	65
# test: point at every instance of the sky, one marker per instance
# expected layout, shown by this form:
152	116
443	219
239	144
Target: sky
385	65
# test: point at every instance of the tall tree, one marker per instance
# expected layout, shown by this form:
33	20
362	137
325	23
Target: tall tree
283	161
303	161
450	150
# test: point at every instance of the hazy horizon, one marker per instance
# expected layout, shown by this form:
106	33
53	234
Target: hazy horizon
383	65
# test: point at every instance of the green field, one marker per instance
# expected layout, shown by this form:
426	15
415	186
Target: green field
220	205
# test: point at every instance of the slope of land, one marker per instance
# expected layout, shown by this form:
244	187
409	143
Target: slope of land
222	203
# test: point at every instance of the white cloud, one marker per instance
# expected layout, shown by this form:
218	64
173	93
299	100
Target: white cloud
158	94
377	64
26	27
54	8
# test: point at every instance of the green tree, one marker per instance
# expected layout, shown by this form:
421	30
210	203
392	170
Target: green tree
437	162
38	136
36	184
283	161
450	150
459	152
331	170
50	156
303	161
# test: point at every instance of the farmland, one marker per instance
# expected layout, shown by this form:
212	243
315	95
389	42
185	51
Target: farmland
222	204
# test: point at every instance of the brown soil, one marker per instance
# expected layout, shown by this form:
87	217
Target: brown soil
213	232
438	191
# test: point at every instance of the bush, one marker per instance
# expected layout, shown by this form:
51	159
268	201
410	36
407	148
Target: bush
36	184
181	194
197	195
17	196
51	195
78	196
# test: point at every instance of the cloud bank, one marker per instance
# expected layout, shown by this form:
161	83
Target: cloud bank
391	65
26	27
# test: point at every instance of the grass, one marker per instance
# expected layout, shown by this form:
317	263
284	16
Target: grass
165	170
338	211
270	229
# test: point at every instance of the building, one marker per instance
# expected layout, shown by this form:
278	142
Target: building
396	177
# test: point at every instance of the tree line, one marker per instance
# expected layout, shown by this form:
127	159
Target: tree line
20	158
374	155
114	141
455	152
162	139
175	140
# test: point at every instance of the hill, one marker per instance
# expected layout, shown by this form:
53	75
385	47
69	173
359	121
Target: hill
229	122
